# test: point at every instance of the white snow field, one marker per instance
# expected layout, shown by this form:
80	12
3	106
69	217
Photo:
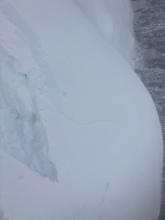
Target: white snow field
80	137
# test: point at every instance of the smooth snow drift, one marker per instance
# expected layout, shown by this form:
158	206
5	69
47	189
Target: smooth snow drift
73	110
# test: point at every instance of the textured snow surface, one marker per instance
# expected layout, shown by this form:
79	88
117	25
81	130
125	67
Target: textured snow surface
22	132
70	99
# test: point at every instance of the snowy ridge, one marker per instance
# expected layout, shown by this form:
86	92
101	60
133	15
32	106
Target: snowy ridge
110	22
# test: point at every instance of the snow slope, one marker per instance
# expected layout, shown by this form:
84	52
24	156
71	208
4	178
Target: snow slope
73	110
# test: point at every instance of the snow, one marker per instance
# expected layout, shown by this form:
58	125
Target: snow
73	110
18	107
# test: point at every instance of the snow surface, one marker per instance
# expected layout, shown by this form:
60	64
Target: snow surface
73	110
